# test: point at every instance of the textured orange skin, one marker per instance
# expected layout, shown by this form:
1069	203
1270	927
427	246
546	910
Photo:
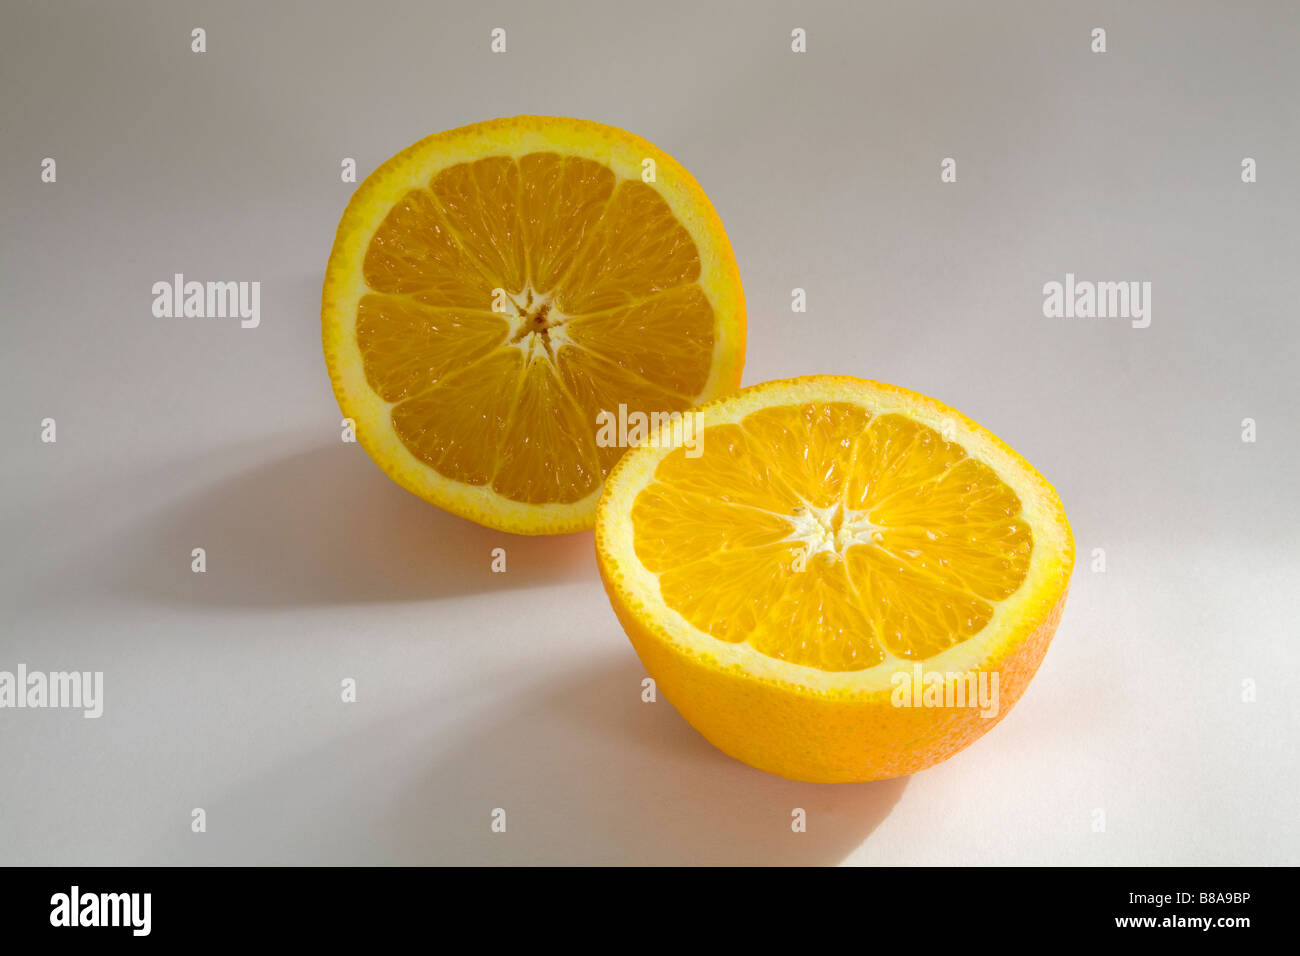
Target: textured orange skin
826	738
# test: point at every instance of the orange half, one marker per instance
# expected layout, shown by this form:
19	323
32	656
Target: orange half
812	547
496	292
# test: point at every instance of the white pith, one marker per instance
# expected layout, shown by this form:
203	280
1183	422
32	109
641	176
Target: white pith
833	530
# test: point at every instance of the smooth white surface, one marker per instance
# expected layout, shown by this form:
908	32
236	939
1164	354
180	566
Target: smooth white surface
519	690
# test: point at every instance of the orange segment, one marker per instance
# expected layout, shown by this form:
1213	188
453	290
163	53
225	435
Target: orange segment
831	534
548	452
897	453
480	202
661	513
494	290
408	346
458	427
412	250
635	249
680	320
715	592
738	472
562	199
818	621
915	615
600	385
812	446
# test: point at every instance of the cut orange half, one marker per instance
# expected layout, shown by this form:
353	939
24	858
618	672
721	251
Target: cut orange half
497	293
833	579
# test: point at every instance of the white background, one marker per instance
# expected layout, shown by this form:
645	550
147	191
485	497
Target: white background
476	690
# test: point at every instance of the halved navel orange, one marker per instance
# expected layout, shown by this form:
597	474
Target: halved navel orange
493	289
833	579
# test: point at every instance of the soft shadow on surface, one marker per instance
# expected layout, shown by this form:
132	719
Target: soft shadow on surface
586	772
327	526
589	773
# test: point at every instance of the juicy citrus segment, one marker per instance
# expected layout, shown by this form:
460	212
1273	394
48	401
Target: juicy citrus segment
822	537
480	202
660	514
915	615
598	386
459	426
897	453
408	346
717	590
413	250
562	199
635	249
818	621
810	447
548	452
739	472
497	292
680	320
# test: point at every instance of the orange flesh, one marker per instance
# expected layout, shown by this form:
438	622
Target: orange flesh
515	299
827	537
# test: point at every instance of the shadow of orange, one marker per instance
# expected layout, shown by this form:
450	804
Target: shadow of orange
327	526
